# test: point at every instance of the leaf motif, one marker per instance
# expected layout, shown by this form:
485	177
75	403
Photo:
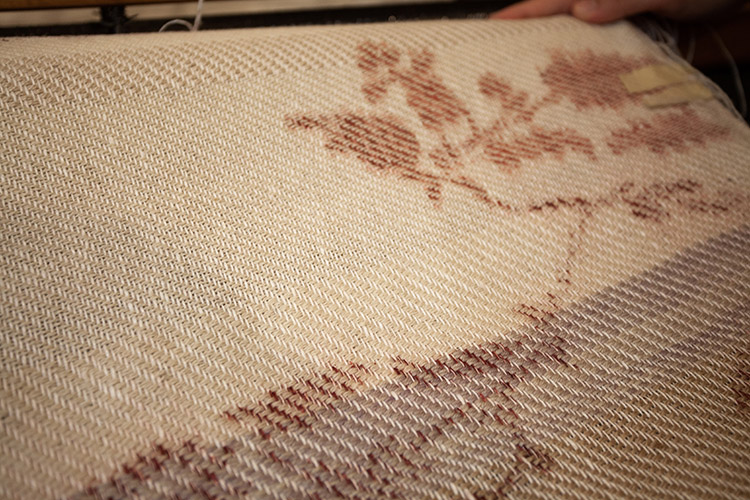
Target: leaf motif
538	142
667	131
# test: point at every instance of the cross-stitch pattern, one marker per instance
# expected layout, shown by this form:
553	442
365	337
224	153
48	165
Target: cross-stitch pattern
512	139
375	261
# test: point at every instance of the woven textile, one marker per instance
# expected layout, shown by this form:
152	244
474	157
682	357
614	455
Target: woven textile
421	260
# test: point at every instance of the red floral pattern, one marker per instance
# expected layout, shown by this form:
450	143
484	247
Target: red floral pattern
585	79
590	80
515	137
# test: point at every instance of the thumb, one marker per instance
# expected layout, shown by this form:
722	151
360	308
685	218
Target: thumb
604	11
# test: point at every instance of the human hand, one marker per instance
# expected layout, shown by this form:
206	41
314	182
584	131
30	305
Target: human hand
604	11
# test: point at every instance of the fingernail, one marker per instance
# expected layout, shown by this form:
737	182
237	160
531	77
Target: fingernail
585	8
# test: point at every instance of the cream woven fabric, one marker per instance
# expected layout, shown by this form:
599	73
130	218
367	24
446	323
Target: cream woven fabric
432	260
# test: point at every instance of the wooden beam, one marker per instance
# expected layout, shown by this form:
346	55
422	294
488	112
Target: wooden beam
55	4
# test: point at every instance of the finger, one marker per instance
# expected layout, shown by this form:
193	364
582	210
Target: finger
533	8
605	11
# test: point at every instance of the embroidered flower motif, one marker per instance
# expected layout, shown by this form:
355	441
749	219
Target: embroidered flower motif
513	137
588	79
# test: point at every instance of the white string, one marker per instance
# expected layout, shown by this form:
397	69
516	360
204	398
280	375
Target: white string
191	26
690	52
661	31
735	72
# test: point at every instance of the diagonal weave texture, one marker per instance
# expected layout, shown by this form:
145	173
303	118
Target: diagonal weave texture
375	261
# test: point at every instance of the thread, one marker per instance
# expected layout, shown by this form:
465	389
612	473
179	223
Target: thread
661	31
735	71
181	22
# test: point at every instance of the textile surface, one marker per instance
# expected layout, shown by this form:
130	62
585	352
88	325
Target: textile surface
428	260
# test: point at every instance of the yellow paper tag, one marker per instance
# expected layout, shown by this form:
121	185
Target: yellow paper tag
654	76
687	92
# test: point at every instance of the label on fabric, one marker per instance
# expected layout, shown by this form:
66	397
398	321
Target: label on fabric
679	94
654	76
